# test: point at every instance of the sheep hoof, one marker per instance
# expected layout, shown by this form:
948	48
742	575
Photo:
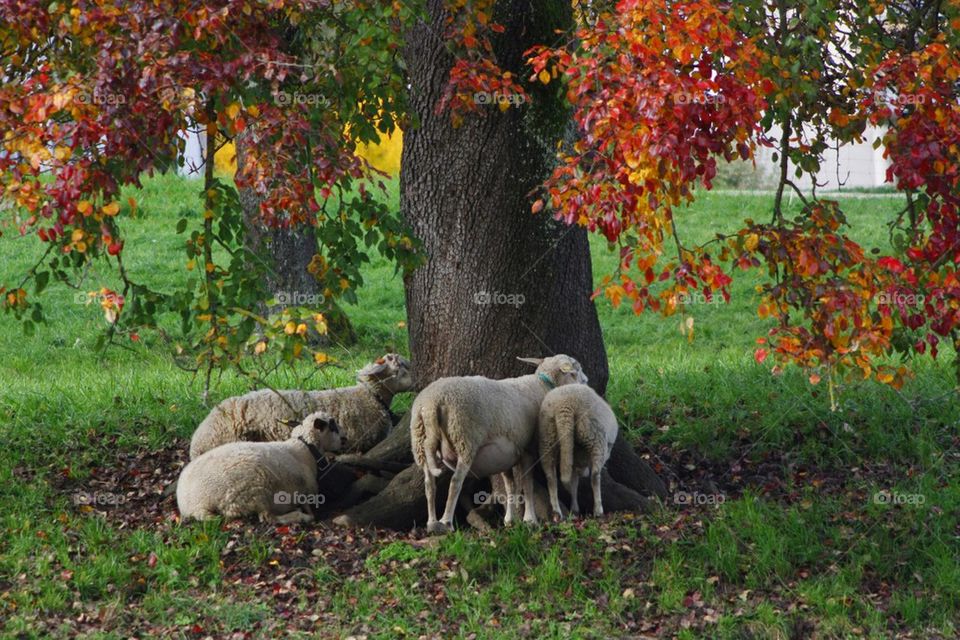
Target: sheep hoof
557	518
438	528
292	517
343	521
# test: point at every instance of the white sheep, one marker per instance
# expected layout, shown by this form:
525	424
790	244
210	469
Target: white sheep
362	411
483	427
577	428
275	480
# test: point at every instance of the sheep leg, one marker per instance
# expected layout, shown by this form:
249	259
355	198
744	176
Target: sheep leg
453	494
595	484
511	491
550	470
430	488
572	489
292	517
523	475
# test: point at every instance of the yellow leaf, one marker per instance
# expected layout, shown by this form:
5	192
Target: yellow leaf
191	264
253	110
297	350
615	292
290	328
84	207
751	242
233	110
320	358
210	267
503	105
301	329
111	209
544	76
260	347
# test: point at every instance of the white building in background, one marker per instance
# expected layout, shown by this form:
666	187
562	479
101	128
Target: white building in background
193	154
852	165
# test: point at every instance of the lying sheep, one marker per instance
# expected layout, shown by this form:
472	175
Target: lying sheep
578	429
481	426
275	480
362	411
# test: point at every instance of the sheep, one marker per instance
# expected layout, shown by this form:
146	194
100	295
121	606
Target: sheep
274	480
481	426
362	411
577	428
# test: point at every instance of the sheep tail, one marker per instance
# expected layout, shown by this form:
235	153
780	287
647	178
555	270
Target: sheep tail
566	432
430	424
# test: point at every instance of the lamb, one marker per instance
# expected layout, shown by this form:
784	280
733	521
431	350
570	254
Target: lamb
481	426
577	426
362	411
275	480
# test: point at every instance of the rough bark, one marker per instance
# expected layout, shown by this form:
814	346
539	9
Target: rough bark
499	282
627	468
401	505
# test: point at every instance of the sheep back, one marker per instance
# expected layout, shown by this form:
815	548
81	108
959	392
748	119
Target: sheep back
241	478
252	417
259	416
576	422
468	411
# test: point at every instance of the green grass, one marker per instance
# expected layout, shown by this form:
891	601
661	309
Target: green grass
754	566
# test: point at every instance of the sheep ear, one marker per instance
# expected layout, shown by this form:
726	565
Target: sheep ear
375	370
534	361
287	423
321	423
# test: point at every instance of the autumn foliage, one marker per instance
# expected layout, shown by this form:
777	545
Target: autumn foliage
660	91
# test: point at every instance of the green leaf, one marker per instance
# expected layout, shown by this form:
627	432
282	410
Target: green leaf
41	281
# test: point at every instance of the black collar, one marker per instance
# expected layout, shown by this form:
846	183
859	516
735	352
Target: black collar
318	457
383	405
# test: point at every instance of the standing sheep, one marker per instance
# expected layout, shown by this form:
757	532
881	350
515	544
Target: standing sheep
481	426
577	426
274	480
362	411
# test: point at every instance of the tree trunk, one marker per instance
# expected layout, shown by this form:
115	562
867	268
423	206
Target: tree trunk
499	282
284	255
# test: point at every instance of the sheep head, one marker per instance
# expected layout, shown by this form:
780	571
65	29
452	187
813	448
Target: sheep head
321	430
558	370
393	372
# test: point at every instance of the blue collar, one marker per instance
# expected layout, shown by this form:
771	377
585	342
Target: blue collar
547	381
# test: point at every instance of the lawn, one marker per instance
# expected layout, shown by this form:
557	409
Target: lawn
786	519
